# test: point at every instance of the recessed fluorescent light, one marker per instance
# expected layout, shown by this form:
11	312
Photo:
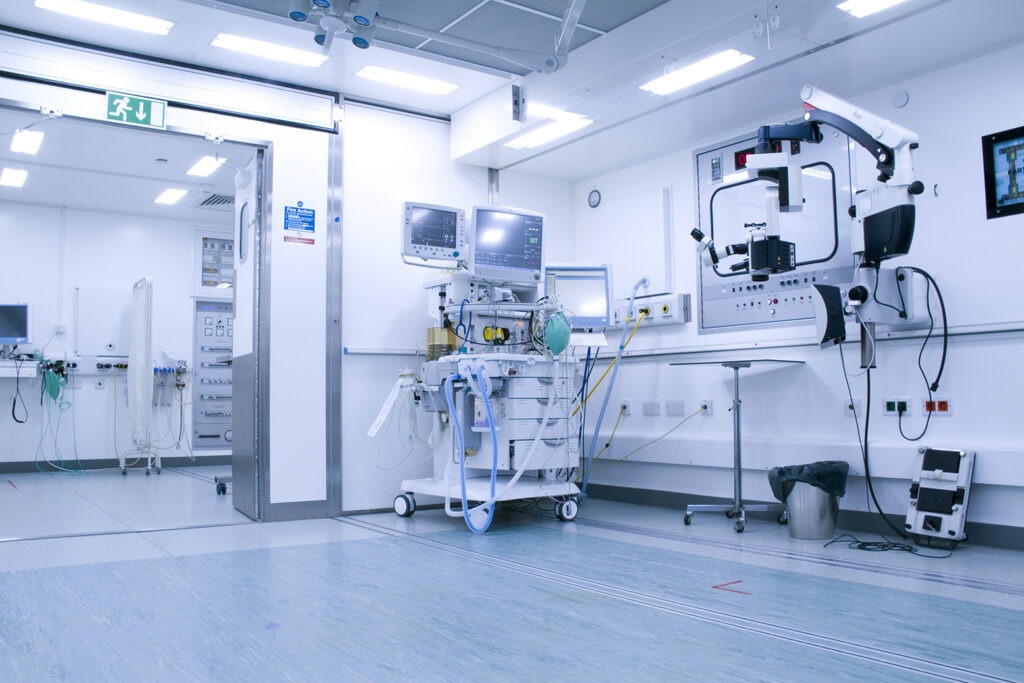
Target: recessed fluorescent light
108	15
12	177
548	132
862	8
27	141
205	166
400	79
171	196
260	48
701	70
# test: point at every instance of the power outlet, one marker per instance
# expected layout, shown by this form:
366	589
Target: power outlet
938	406
651	407
852	409
893	407
626	407
709	407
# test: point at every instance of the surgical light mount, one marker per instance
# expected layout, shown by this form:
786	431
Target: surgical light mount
359	20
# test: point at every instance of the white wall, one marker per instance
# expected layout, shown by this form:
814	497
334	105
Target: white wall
390	159
793	415
51	251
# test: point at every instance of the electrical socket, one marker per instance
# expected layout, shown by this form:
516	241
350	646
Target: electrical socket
849	409
626	406
651	407
893	407
708	406
939	406
59	329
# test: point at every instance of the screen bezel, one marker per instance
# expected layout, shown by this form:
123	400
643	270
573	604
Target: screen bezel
409	250
14	341
581	322
988	145
505	275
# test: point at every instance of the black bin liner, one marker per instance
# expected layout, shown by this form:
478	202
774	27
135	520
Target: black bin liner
829	476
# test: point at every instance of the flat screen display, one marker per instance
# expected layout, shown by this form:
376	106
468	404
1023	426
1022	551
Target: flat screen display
1004	172
433	232
13	323
584	292
508	244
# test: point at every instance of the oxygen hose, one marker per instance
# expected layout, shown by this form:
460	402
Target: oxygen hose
642	282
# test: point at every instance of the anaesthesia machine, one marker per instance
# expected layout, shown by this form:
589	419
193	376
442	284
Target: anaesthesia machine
497	382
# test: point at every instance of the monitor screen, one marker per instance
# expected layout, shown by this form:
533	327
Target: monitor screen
13	323
508	244
434	232
583	290
1003	157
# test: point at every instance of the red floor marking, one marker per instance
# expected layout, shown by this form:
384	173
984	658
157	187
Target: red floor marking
722	587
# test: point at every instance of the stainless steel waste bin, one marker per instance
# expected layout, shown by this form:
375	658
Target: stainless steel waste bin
811	511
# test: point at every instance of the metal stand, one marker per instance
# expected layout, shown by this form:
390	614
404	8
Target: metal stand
737	508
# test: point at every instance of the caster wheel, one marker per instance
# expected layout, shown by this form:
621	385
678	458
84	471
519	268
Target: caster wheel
124	472
222	488
783	518
567	510
730	513
688	518
740	525
405	505
147	473
158	470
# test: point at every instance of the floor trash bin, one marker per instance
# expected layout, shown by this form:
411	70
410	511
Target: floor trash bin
811	494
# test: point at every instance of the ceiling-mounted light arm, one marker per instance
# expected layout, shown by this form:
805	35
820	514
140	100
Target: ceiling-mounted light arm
570	20
533	61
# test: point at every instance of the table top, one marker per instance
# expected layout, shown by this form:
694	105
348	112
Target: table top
736	364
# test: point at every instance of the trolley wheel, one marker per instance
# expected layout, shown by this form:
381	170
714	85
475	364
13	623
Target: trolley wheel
783	517
567	510
740	524
730	513
147	472
222	488
124	471
687	518
158	470
405	505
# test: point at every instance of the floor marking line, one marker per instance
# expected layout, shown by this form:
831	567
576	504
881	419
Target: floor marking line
722	587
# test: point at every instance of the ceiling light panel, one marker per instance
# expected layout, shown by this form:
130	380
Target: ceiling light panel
27	141
13	177
260	48
401	79
108	15
170	196
863	8
205	166
698	71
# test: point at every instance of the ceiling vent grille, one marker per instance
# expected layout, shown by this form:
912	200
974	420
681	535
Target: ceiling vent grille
222	202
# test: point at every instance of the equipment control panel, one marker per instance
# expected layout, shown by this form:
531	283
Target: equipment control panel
212	350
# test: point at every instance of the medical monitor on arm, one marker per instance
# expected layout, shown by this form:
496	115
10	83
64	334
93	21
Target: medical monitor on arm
584	291
433	235
14	328
508	245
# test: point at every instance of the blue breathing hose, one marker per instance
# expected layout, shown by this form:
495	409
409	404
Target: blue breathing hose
608	392
462	449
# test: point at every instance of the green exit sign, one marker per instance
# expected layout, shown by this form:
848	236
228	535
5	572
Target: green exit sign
136	111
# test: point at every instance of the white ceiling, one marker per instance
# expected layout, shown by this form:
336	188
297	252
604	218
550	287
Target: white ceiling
799	41
101	167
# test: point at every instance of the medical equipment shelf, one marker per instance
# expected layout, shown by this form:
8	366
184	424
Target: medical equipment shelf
737	508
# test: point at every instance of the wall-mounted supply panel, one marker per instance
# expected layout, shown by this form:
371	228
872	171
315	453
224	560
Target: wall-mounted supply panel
215	264
732	209
212	386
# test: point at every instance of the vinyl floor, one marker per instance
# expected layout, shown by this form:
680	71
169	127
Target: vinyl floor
112	578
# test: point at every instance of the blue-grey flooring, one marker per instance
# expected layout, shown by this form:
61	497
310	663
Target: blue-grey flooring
624	593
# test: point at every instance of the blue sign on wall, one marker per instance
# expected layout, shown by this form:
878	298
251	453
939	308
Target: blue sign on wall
299	219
